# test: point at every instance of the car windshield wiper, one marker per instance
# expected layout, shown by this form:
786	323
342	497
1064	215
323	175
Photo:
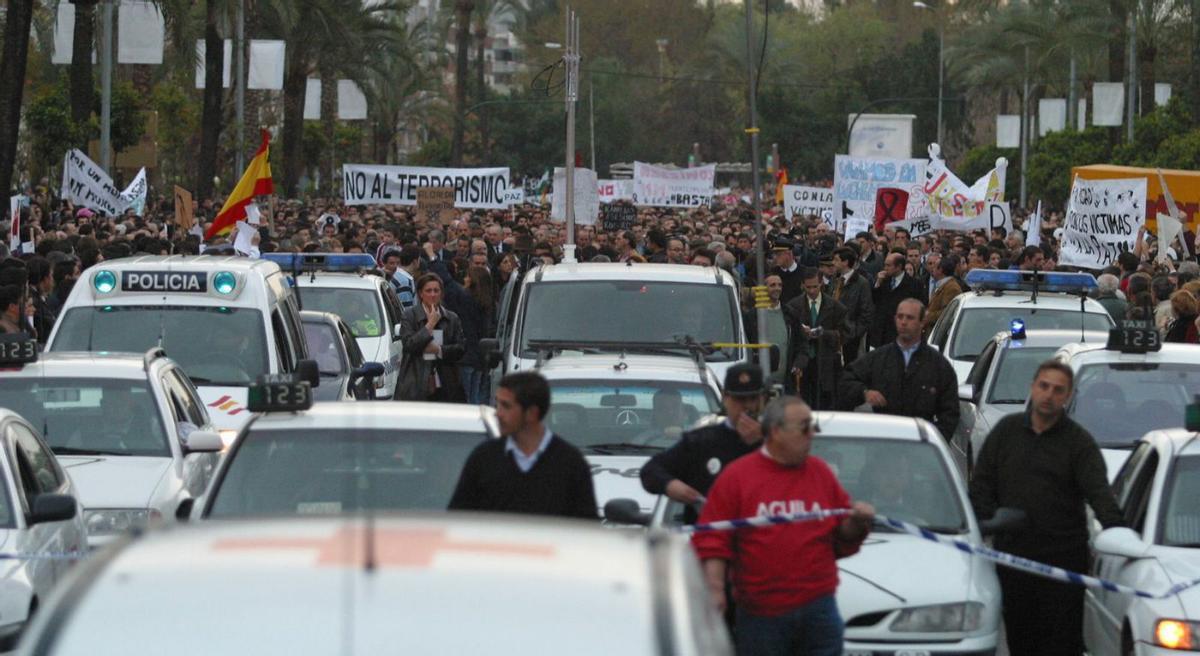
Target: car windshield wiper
617	447
74	451
330	374
1007	402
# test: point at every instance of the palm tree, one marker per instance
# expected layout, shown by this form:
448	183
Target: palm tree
82	83
462	40
210	117
13	58
487	12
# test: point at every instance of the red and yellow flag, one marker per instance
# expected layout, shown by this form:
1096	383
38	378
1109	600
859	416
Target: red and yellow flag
781	179
256	181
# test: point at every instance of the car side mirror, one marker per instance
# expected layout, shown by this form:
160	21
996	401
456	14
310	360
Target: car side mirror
625	511
1121	541
52	508
184	510
490	348
200	441
396	330
307	371
966	392
370	370
1005	520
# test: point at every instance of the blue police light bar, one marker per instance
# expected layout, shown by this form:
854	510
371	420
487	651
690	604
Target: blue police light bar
346	262
1027	281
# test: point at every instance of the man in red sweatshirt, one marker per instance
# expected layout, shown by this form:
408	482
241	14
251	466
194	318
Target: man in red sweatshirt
784	577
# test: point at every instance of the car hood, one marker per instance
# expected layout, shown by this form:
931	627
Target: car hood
115	481
619	477
226	406
871	580
1181	565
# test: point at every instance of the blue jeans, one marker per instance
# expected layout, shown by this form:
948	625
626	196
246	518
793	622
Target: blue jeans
814	629
472	381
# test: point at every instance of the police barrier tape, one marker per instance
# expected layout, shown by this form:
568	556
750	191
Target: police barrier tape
999	557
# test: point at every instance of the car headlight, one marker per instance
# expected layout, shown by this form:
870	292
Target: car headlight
1177	634
965	616
107	521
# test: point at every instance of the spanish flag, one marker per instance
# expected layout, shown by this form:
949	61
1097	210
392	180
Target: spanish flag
781	179
256	181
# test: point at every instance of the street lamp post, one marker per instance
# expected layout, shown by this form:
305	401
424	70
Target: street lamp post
941	65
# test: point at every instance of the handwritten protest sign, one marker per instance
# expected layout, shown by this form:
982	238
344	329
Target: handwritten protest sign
85	183
950	198
799	200
662	187
1103	218
436	203
619	216
857	180
370	184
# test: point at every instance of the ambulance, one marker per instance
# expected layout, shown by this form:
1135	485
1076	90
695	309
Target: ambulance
227	320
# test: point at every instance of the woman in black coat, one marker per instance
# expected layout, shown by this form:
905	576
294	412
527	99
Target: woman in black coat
429	371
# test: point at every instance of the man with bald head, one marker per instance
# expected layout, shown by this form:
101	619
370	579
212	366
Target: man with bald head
892	285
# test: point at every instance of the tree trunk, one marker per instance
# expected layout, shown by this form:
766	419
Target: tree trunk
1147	53
329	128
1117	48
210	117
481	33
295	80
1194	78
83	86
13	58
462	42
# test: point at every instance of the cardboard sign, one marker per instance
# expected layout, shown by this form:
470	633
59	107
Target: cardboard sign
436	202
184	218
619	216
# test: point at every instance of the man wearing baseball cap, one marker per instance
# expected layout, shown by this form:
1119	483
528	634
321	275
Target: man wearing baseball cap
687	470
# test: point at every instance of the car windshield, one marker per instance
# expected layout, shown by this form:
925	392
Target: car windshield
214	345
7	516
1010	383
904	480
602	416
321	472
359	308
89	416
630	311
977	325
1118	402
322	340
1181	528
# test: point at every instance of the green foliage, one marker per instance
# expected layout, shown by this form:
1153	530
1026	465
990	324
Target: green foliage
435	152
1151	132
178	126
51	126
1181	151
128	115
981	159
1051	159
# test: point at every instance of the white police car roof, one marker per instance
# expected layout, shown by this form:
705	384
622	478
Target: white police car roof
448	584
637	271
79	364
606	366
1181	441
1053	338
1020	299
382	415
231	263
337	279
1096	352
868	425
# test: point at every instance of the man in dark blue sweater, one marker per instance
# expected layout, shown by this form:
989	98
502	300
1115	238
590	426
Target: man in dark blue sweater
530	470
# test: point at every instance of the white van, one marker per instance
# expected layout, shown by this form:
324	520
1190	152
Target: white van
226	320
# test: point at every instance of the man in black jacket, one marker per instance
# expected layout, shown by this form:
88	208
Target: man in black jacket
852	290
531	470
905	377
816	325
892	285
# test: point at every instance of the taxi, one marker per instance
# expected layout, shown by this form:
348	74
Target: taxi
300	458
1130	385
999	381
130	429
344	285
1157	490
226	320
425	584
1039	300
40	517
899	594
621	408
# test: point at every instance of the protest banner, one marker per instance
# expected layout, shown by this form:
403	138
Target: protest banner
436	203
891	205
619	216
184	217
515	195
135	194
85	183
614	190
1184	190
857	180
950	198
1103	218
587	198
994	215
372	184
662	187
799	200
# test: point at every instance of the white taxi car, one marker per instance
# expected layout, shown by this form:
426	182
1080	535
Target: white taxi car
40	516
448	584
1157	490
341	284
226	320
130	429
1038	300
1130	385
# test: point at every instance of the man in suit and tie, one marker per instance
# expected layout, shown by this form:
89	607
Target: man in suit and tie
494	236
817	325
852	290
892	285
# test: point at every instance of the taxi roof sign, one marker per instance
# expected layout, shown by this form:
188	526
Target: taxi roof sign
1134	337
332	262
18	349
279	394
1030	281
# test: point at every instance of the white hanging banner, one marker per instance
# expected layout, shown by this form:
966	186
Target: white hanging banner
366	184
200	49
658	186
1108	104
1103	218
1052	115
352	104
1008	131
140	30
799	200
266	65
614	190
1081	116
64	34
587	196
1162	94
312	99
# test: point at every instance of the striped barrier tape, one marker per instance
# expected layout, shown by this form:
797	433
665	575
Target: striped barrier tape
999	557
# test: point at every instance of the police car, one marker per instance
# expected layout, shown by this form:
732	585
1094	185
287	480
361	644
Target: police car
340	283
621	408
1039	300
1157	490
615	303
1000	378
40	518
227	320
344	375
437	584
1129	385
899	594
300	458
130	429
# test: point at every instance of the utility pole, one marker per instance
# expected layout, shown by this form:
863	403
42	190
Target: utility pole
240	101
571	93
592	120
106	71
764	356
1131	86
1024	125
